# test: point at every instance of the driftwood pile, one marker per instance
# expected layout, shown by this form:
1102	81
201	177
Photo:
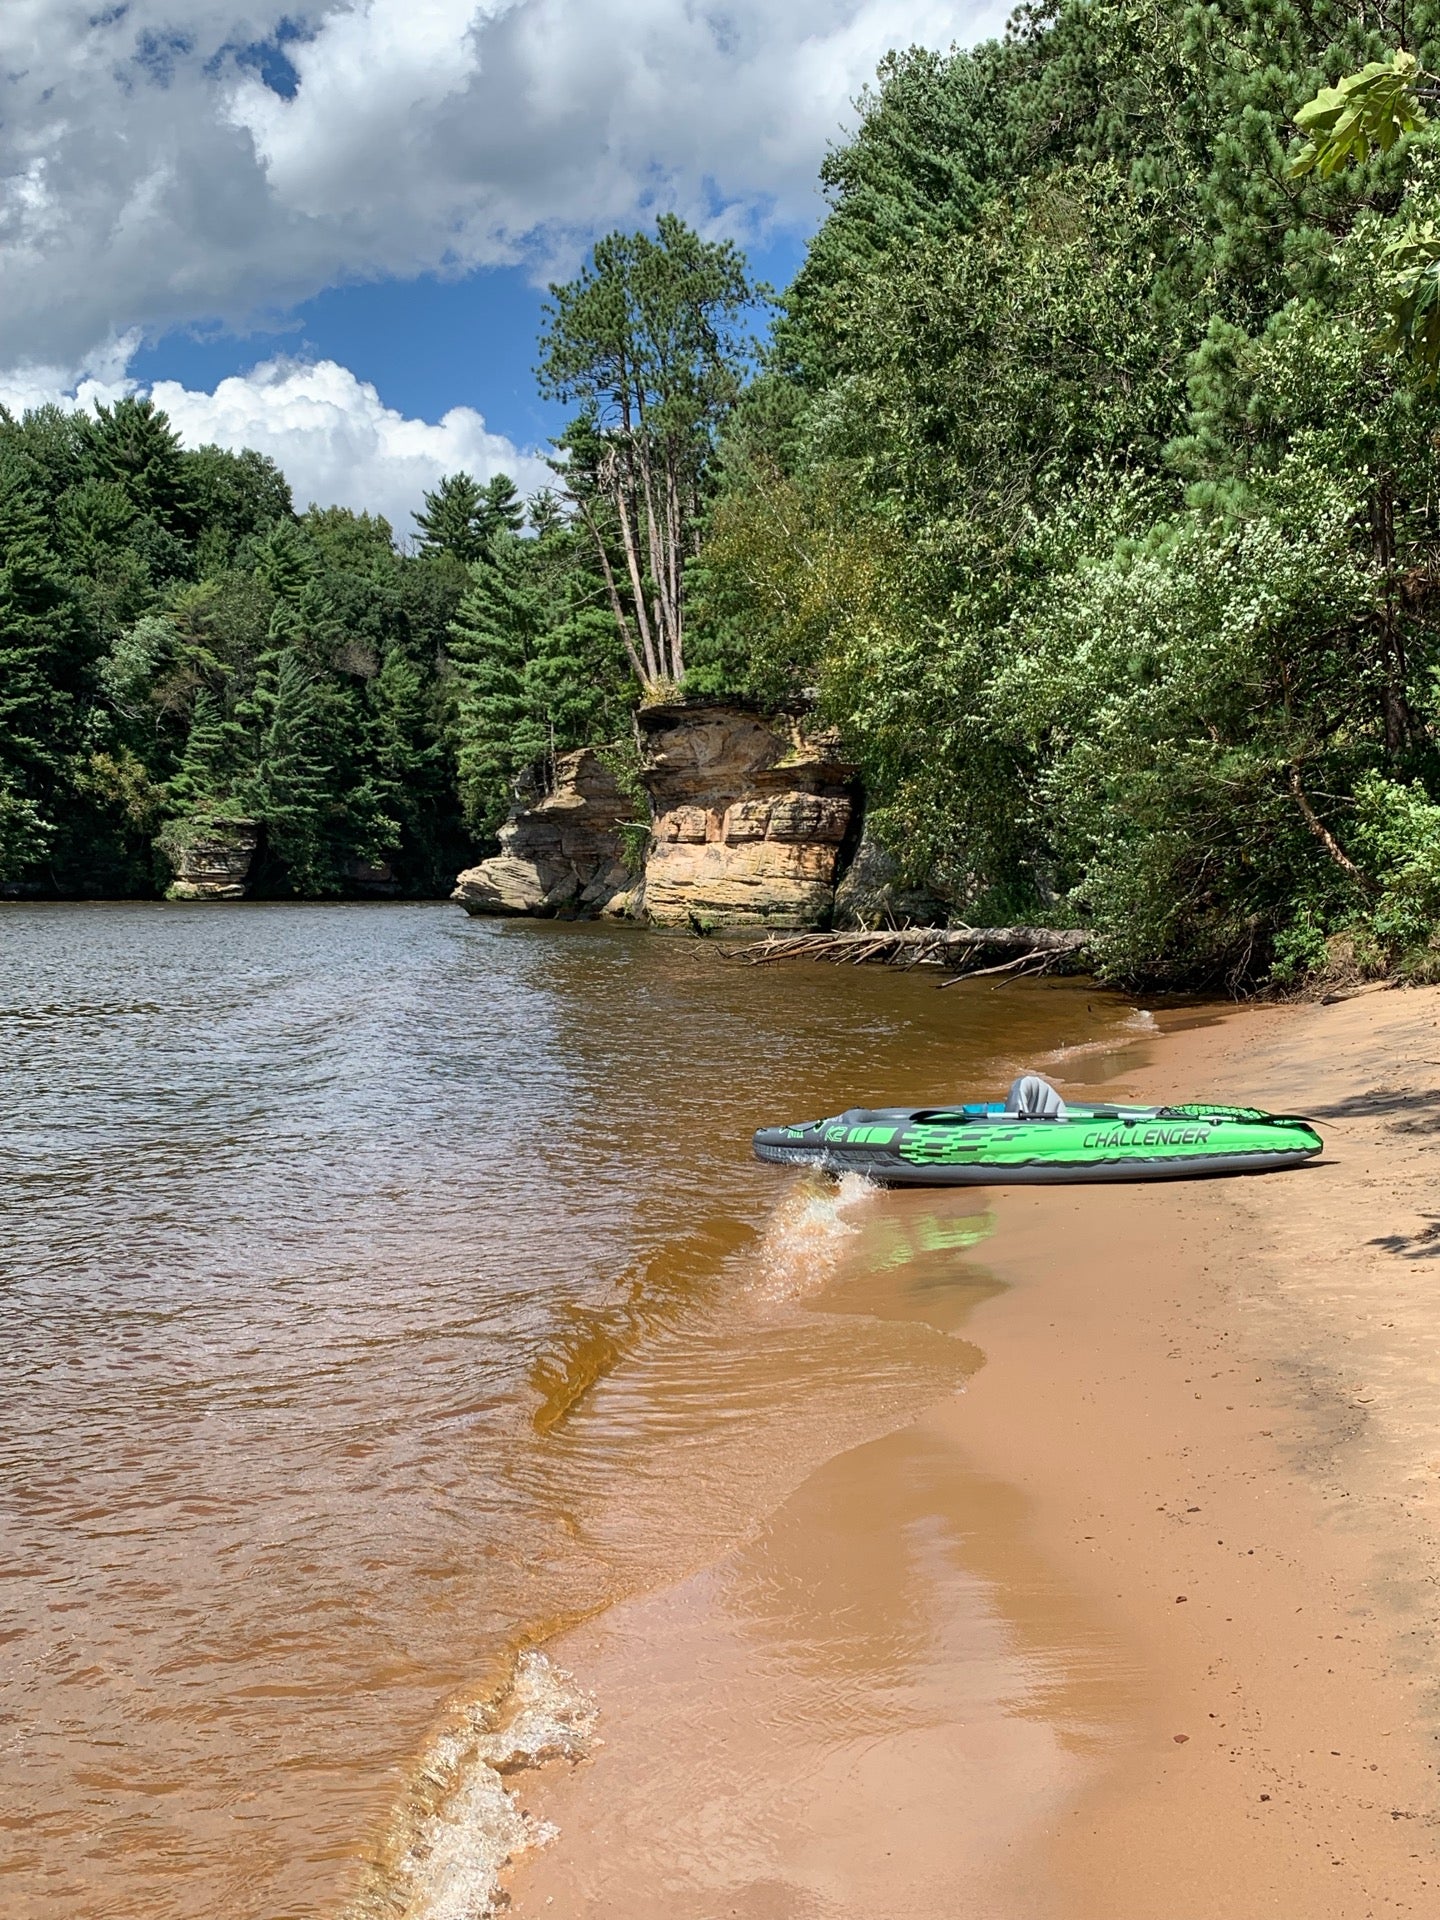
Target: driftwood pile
1031	949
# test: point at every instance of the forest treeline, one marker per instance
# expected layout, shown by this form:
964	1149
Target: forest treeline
1085	478
178	646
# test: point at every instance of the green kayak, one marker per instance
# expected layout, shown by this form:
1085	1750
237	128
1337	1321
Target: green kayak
1035	1136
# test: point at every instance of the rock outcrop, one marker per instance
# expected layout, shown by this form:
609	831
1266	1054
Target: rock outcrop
211	857
872	893
562	853
749	818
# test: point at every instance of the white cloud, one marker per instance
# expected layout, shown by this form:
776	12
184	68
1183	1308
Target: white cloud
332	436
154	172
338	443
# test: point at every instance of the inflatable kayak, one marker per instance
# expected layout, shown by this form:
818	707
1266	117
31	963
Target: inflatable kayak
1035	1136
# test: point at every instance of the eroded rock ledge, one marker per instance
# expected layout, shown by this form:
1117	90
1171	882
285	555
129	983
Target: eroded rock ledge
561	854
211	857
749	816
749	819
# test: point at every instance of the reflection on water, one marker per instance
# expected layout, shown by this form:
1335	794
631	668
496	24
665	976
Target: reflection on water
378	1290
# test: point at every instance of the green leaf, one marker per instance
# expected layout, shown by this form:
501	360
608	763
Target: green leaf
1366	112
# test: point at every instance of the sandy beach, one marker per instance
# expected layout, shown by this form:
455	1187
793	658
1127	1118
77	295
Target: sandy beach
1140	1622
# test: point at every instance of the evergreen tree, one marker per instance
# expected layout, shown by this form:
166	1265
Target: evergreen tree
40	679
213	759
291	787
413	777
502	510
544	513
462	518
133	444
538	666
453	519
647	343
494	638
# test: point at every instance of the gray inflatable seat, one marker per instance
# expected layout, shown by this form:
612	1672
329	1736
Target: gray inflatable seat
1034	1099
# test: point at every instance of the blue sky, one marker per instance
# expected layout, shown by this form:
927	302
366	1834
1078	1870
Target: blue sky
323	227
426	344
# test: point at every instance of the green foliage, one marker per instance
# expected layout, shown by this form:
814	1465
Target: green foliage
1364	113
538	667
291	787
41	668
133	445
1083	486
1397	834
461	518
177	647
649	343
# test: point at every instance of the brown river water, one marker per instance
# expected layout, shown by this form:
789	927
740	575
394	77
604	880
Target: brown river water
382	1292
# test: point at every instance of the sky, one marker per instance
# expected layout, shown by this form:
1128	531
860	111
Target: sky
326	230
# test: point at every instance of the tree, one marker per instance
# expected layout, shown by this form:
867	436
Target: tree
502	510
537	665
133	444
647	342
40	679
462	518
495	635
237	497
452	519
290	789
213	760
1366	113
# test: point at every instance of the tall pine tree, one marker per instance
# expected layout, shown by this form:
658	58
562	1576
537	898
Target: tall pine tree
40	679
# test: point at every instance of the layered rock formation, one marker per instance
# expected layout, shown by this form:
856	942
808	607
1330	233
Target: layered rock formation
561	854
872	893
211	857
749	818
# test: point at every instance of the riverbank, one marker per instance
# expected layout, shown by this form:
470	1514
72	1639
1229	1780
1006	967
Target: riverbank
1140	1622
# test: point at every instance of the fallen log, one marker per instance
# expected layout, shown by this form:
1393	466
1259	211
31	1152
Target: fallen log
1040	947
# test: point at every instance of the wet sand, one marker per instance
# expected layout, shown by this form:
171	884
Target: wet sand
1141	1622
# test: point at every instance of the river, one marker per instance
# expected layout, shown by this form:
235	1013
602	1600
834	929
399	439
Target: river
382	1291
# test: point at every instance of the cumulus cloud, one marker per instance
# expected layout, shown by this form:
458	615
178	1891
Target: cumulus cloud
169	161
332	436
338	443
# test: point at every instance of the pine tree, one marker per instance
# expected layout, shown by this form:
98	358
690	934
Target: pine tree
39	678
503	511
412	775
290	790
286	564
213	757
545	512
134	444
453	520
494	638
464	519
538	662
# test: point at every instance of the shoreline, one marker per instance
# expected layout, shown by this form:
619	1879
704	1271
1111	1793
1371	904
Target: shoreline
1167	1369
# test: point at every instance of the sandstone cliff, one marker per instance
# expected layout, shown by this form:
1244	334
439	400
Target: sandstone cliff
211	857
561	854
749	818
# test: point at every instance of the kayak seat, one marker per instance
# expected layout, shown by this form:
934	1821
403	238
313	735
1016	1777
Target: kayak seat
1031	1098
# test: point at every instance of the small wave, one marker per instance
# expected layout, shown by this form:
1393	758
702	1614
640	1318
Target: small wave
1137	1020
805	1240
655	1293
461	1826
83	1010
